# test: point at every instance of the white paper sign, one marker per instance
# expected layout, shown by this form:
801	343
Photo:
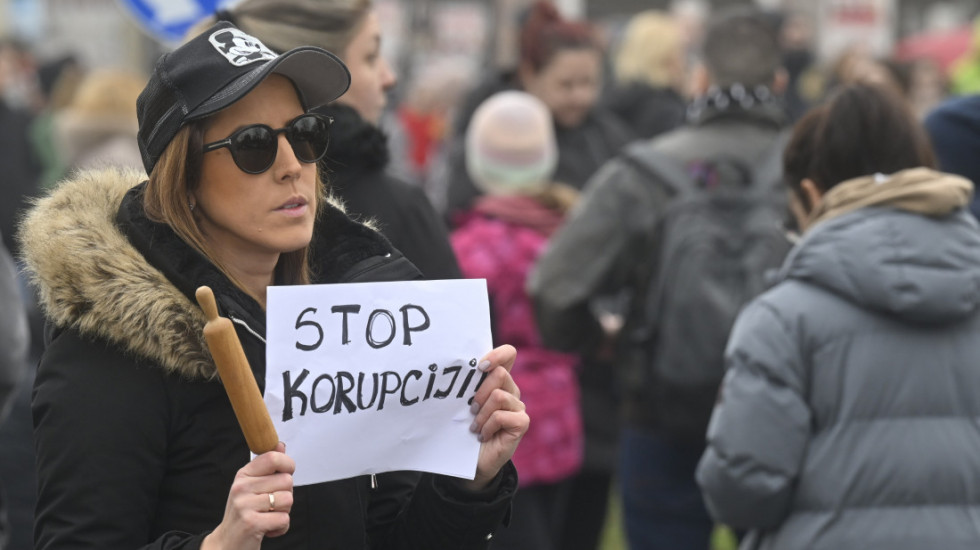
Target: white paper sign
372	377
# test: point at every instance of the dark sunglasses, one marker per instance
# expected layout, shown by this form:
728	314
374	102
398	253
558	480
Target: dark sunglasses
254	147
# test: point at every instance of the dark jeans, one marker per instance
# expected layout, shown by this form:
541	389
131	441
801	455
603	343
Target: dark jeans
585	514
536	516
662	504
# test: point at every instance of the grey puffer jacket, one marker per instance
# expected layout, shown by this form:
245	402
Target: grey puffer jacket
848	417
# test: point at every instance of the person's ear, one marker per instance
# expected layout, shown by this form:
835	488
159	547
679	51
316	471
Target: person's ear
812	191
527	76
677	68
780	81
699	81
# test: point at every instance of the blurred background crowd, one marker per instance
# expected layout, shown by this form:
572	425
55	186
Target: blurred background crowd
70	71
440	49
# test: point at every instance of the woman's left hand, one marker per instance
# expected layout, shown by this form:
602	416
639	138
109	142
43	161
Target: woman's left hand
501	420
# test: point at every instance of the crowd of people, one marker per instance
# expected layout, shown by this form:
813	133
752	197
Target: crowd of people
743	285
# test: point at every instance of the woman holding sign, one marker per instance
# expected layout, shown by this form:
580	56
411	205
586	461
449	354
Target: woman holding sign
356	170
137	444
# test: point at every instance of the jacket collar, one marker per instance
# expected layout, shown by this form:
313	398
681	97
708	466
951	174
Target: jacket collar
355	146
918	190
758	104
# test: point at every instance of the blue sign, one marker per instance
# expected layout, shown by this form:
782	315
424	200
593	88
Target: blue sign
169	20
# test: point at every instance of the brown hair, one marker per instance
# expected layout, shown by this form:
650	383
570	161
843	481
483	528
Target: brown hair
286	24
863	129
545	33
165	200
741	47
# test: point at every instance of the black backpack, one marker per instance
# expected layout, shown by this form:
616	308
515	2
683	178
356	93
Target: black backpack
719	235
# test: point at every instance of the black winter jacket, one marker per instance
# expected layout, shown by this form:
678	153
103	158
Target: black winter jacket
645	110
137	444
354	168
21	172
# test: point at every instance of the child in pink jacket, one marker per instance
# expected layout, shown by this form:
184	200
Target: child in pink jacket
511	155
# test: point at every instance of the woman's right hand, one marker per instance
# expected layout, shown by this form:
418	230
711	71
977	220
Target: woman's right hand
249	516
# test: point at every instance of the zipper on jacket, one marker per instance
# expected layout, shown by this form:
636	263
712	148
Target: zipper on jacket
244	325
374	481
384	268
367	268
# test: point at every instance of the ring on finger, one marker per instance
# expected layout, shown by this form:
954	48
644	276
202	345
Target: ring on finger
272	502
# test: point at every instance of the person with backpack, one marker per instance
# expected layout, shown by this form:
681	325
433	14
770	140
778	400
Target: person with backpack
687	224
847	418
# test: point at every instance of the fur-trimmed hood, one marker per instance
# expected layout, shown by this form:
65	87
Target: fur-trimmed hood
90	278
101	268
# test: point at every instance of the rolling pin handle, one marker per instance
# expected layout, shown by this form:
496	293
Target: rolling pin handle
206	300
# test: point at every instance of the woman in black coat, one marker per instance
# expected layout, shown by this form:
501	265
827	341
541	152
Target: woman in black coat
137	444
650	72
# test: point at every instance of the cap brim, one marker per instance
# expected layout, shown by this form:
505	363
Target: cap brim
319	76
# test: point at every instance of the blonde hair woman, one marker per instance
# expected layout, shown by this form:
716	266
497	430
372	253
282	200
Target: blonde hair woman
650	72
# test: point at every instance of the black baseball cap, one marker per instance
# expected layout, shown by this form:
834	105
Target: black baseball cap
219	67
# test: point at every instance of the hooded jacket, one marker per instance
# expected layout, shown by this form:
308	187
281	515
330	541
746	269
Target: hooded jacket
137	444
847	418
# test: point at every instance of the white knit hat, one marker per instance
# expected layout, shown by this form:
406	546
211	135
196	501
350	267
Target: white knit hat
510	145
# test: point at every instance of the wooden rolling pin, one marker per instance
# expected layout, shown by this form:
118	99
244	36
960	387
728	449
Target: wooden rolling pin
237	377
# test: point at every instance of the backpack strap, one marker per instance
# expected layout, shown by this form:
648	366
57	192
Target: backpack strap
767	175
658	167
764	175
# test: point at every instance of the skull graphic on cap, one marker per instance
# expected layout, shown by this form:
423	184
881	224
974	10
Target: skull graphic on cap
240	48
